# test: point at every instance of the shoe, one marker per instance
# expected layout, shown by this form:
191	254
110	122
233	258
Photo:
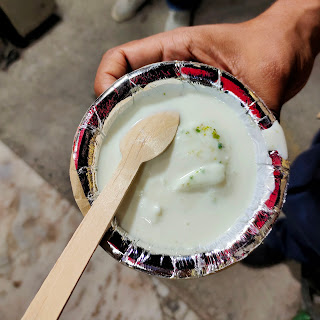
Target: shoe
125	9
177	18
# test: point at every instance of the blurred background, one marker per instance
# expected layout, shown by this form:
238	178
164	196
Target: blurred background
49	54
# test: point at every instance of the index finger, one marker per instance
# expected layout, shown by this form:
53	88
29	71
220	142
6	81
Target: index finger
118	61
171	45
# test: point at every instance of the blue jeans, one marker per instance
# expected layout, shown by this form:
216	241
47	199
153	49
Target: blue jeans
182	4
298	235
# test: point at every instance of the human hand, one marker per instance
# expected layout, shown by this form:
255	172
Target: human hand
272	54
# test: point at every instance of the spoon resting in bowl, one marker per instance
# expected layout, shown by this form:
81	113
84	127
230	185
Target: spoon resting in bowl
143	142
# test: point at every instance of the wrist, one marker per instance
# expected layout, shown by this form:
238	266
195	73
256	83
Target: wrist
300	19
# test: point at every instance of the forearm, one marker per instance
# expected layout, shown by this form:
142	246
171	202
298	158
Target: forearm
286	40
300	19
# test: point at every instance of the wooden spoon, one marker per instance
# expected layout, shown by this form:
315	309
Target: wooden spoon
146	140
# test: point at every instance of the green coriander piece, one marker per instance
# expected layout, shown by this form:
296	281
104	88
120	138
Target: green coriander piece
214	134
220	145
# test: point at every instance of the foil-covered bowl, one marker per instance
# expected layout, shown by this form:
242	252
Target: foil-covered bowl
245	238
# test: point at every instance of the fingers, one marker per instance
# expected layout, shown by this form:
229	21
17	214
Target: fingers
122	59
172	45
112	66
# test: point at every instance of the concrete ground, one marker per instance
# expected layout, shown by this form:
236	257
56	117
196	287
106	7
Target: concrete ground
43	98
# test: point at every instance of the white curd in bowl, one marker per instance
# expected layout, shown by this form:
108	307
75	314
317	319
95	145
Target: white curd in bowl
203	185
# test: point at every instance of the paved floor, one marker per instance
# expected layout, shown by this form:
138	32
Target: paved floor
43	97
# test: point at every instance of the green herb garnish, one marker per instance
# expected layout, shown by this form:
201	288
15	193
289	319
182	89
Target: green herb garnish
220	145
215	135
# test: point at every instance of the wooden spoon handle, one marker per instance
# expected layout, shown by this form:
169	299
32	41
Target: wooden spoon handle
59	284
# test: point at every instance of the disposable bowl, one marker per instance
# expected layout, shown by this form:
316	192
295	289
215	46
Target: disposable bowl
92	130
